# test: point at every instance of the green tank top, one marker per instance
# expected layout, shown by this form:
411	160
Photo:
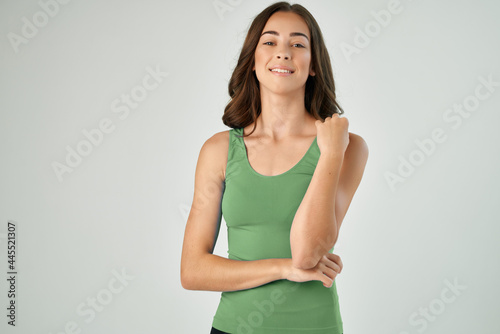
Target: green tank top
259	211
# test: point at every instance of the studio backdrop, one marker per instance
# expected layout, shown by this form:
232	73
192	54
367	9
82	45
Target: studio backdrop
105	105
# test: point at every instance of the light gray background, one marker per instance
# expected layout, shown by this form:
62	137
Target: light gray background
125	206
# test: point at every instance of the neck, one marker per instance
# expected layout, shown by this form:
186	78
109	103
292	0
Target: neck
283	115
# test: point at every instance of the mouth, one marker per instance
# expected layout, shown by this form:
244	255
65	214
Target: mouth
280	70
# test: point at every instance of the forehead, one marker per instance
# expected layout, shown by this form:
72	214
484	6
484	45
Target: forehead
286	22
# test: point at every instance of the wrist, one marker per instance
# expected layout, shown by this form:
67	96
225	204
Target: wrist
284	267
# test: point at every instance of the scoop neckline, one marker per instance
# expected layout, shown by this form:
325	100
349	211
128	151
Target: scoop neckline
277	175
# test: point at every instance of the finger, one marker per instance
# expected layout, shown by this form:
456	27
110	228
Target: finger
327	263
332	266
329	271
327	281
340	263
334	258
332	274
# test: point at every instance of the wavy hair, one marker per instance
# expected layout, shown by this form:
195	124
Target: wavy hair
245	106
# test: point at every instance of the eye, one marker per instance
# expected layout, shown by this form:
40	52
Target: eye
265	43
300	45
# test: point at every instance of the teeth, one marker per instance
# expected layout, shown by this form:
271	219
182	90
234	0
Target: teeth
280	70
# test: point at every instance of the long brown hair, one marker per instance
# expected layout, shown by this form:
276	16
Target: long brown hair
245	106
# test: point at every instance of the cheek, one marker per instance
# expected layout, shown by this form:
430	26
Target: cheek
306	58
260	60
305	61
259	55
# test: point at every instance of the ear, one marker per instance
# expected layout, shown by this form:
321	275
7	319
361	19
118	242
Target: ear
311	72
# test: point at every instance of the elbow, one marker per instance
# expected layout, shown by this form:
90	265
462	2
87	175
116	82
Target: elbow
188	278
309	257
192	273
304	264
305	261
303	255
186	281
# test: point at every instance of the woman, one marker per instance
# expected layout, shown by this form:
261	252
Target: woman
283	178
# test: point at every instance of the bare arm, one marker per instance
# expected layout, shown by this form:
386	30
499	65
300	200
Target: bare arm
200	268
314	228
317	222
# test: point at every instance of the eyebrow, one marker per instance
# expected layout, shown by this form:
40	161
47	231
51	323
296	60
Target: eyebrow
272	32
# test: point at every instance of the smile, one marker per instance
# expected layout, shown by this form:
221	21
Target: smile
280	70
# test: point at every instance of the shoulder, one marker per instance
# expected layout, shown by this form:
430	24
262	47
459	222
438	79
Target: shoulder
357	149
213	153
218	140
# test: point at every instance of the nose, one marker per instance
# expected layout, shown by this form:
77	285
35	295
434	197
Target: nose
283	54
286	57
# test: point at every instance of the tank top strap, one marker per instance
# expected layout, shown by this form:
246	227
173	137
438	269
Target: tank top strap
236	154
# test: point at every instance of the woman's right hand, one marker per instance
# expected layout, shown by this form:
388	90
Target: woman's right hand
325	271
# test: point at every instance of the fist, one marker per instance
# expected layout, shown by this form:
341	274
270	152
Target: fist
332	134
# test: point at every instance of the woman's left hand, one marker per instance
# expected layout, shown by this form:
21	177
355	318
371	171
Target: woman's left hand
332	134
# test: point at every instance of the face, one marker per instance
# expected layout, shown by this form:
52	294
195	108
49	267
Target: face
284	43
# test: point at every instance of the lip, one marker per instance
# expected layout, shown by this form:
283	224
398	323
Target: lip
281	67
